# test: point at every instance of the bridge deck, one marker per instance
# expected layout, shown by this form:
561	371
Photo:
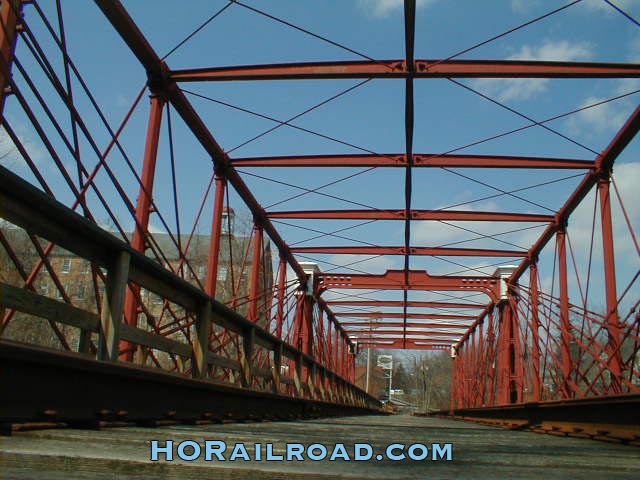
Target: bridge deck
478	452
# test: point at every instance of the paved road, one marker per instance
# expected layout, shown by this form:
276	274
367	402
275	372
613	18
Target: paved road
478	452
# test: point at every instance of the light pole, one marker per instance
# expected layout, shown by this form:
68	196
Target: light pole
386	363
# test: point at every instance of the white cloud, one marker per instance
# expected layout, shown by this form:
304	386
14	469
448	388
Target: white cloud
432	233
384	8
523	6
517	89
634	50
604	7
10	156
122	101
554	51
603	118
366	263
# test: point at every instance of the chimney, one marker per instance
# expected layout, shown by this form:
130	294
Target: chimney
228	221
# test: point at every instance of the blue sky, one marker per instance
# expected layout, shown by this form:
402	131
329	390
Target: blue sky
372	115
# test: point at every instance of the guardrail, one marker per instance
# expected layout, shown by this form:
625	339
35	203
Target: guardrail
29	208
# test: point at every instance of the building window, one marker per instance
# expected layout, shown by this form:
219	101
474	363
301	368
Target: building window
66	265
202	271
87	267
80	292
65	288
44	289
223	270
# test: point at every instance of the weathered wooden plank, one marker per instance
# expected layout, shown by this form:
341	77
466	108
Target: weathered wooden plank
26	301
262	372
141	337
224	362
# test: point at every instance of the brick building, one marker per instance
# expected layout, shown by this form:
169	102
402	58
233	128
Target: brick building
75	275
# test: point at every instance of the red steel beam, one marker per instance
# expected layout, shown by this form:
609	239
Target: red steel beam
435	316
374	326
604	165
420	69
411	280
415	335
408	345
422	251
452	215
158	73
400	303
419	160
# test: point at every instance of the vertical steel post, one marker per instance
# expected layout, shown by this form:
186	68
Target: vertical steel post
213	260
320	351
565	323
482	364
503	354
143	209
282	277
491	340
336	356
535	332
329	345
454	384
10	13
613	321
473	365
256	265
517	364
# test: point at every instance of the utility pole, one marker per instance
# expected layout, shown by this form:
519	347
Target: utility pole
390	376
368	369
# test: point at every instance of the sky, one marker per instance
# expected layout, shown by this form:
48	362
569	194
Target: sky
369	117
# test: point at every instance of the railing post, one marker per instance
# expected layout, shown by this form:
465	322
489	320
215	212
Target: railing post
535	331
112	308
565	323
254	281
282	276
199	364
311	380
277	366
10	14
216	233
297	375
143	208
246	356
613	321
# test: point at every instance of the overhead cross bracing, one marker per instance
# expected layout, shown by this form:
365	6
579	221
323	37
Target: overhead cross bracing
488	239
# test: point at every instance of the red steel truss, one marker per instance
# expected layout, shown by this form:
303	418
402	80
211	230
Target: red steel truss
281	334
417	160
409	70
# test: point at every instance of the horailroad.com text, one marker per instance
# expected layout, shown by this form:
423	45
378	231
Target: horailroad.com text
216	450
